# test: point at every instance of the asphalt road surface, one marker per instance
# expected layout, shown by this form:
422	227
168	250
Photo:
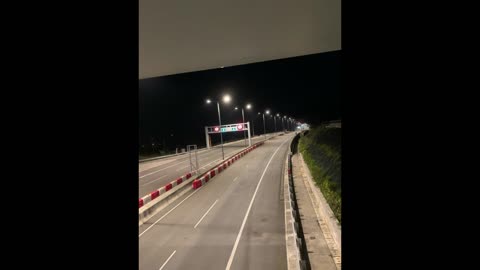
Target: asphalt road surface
235	221
162	171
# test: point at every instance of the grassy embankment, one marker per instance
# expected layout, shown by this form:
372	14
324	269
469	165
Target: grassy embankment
321	150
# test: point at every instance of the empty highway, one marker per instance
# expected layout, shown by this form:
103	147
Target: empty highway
235	221
157	173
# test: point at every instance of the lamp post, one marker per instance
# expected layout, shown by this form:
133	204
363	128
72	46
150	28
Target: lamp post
248	107
275	121
264	129
226	99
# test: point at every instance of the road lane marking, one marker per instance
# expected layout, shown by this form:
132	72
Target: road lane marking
206	152
167	260
183	168
176	164
147	183
230	260
205	214
210	163
169	211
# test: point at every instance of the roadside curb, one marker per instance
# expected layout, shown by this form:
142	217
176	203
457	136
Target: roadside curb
293	256
327	220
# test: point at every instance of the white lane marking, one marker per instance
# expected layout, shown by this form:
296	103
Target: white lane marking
172	166
147	183
145	167
182	168
176	164
167	260
235	179
230	260
206	154
210	163
169	212
205	214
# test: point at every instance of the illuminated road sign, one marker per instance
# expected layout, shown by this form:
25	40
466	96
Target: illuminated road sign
228	128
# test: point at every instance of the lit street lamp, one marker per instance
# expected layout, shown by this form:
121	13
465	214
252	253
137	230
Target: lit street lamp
275	121
248	106
226	99
264	129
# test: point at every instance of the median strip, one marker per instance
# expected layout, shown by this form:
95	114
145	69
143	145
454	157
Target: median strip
157	200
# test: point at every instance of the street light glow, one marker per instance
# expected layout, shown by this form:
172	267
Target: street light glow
278	114
227	98
208	100
267	111
236	108
249	106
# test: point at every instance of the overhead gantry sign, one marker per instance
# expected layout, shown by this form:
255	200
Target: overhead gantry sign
239	127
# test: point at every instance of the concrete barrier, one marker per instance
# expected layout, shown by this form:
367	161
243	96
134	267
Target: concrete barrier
154	206
154	194
203	149
157	200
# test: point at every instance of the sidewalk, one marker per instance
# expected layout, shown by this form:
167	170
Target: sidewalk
322	251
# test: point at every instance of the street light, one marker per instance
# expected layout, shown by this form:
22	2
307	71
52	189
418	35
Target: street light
281	118
275	122
226	99
248	106
264	129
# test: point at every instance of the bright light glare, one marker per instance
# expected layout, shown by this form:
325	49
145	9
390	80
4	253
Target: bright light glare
227	99
267	112
208	101
249	106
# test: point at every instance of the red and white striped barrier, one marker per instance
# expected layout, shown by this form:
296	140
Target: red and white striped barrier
150	197
222	166
197	182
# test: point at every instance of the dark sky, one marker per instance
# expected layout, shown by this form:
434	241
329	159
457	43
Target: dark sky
306	88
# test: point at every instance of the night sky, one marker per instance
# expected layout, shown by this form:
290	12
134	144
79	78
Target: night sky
173	108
